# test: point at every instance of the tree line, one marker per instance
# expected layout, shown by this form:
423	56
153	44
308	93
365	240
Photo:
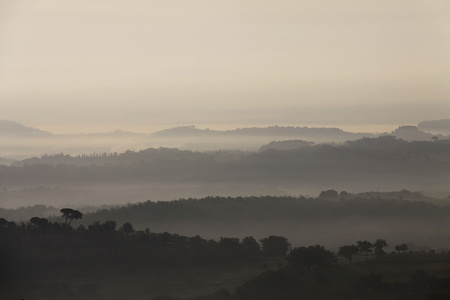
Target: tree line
82	246
329	205
39	248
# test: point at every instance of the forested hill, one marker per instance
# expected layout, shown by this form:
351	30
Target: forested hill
411	133
331	219
10	128
329	205
384	161
274	131
387	146
442	126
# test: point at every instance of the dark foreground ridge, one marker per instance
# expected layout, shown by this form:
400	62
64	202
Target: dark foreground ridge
45	260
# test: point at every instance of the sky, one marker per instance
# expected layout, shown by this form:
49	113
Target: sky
91	66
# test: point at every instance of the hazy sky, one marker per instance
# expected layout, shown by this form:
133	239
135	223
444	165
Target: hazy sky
87	65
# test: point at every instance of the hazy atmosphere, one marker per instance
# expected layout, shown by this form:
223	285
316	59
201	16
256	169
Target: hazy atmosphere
224	150
90	66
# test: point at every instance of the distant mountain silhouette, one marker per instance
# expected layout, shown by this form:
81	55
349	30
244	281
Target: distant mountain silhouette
10	128
26	142
412	133
441	126
271	131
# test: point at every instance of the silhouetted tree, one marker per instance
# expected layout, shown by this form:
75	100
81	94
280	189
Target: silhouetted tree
312	257
70	214
107	227
3	223
348	251
401	248
275	245
343	195
6	225
378	247
81	228
365	248
229	242
329	194
127	228
251	247
41	223
250	243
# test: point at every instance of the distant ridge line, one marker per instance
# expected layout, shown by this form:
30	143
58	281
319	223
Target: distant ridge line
258	131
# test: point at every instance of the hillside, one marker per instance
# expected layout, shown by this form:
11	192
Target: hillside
10	128
440	126
400	217
335	134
